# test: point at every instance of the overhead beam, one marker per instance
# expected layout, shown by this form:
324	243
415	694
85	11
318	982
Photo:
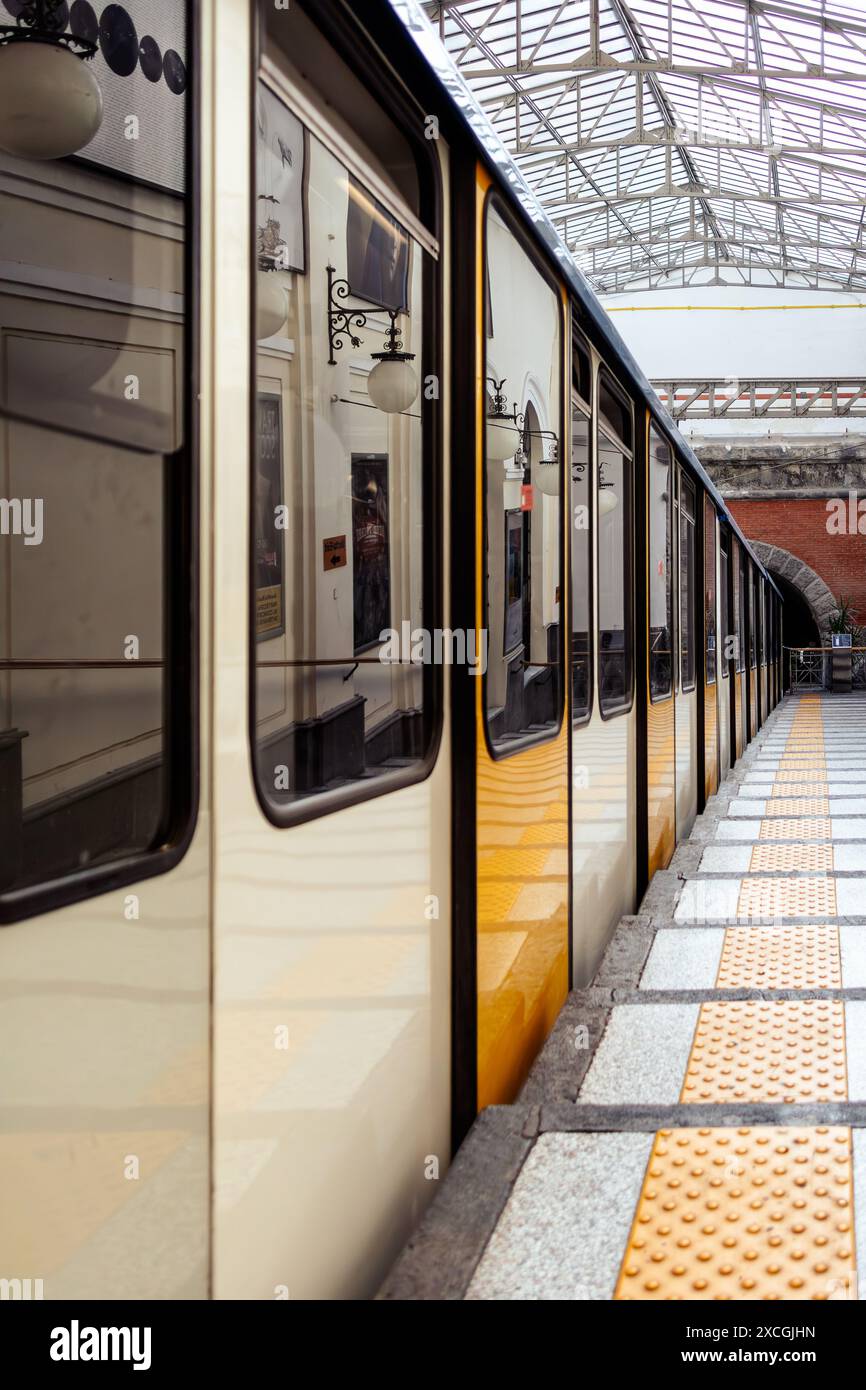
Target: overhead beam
702	398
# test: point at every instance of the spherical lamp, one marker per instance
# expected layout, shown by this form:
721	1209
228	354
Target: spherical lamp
392	384
607	501
50	101
272	304
545	474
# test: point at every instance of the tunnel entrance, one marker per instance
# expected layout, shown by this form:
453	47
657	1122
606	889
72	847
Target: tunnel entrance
799	628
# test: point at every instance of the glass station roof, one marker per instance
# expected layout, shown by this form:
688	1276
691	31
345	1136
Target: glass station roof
682	142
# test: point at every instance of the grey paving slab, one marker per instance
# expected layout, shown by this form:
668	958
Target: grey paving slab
849	858
848	829
852	942
726	859
738	829
848	806
851	897
565	1226
855	1039
687	959
747	807
642	1056
708	900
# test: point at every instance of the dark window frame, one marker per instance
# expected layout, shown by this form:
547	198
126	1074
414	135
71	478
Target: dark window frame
710	529
671	692
604	374
181	582
408	116
519	744
584	407
689	682
724	602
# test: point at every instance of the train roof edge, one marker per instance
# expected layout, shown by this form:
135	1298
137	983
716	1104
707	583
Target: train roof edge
462	97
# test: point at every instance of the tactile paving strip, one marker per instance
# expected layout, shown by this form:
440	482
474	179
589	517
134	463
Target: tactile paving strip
798	789
791	1050
806	828
795	774
801	957
780	859
800	805
787	897
743	1214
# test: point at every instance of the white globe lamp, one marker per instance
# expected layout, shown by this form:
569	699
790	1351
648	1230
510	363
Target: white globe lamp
50	100
392	384
272	303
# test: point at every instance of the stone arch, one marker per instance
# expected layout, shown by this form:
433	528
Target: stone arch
818	598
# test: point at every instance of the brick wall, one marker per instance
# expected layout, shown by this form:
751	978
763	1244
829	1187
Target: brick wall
799	525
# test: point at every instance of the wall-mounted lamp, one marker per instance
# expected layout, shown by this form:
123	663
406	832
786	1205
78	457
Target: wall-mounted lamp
607	498
272	284
50	101
392	384
508	437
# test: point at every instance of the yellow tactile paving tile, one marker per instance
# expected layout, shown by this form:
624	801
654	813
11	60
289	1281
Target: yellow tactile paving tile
795	774
799	789
743	1214
798	858
782	1051
518	862
800	805
796	828
786	897
789	957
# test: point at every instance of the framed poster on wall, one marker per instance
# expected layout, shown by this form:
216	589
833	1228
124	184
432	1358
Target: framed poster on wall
269	559
377	251
371	560
281	165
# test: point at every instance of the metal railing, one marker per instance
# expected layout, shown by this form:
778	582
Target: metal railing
811	668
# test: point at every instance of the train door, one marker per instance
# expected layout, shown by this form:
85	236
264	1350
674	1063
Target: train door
741	713
104	861
686	696
723	661
332	822
604	775
710	655
522	735
660	682
752	669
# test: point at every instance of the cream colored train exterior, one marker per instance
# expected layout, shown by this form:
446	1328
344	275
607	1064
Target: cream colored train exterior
227	871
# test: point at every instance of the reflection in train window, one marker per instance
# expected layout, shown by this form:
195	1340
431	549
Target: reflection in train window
710	591
754	616
581	563
614	549
724	605
96	724
661	600
345	671
687	582
741	610
523	473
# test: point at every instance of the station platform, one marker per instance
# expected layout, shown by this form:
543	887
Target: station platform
695	1126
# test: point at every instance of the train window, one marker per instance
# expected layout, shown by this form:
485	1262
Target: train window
724	607
661	599
766	629
687	582
615	472
581	370
753	615
523	490
96	633
742	606
710	591
581	546
345	658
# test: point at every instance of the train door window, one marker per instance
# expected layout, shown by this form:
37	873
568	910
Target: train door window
97	716
710	591
581	537
724	611
661	568
345	656
753	615
523	690
742	608
687	581
614	550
